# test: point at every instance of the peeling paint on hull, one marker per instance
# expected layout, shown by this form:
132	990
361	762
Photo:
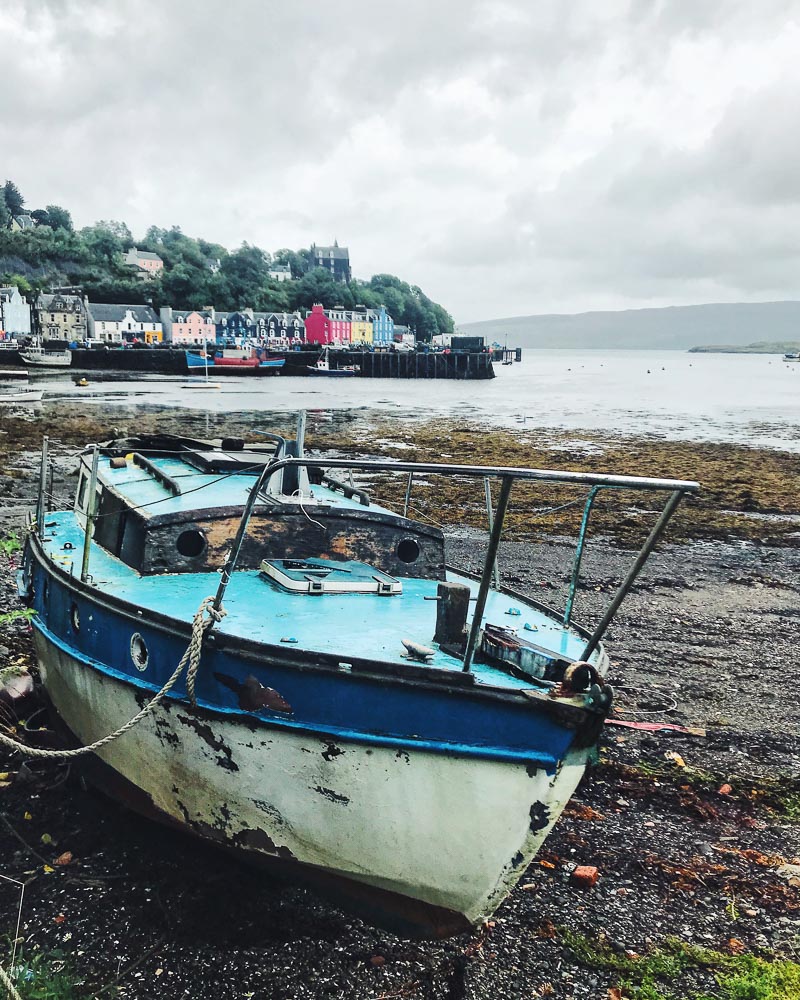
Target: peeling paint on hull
434	832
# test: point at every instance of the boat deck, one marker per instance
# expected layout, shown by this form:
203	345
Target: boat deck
222	489
364	626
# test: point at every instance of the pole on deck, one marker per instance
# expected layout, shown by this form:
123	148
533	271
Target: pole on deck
91	507
491	555
42	487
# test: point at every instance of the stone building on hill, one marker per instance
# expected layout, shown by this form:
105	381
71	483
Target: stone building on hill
334	259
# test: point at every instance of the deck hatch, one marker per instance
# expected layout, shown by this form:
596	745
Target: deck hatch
328	576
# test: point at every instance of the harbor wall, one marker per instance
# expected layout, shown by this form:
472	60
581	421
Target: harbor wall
388	364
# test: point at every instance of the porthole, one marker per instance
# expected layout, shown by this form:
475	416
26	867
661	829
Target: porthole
407	550
139	653
75	617
191	543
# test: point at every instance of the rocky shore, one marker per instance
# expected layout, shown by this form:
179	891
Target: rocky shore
694	834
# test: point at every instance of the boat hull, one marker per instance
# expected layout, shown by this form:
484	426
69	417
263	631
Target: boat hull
43	361
428	842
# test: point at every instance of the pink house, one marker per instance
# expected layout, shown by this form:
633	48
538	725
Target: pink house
194	328
148	264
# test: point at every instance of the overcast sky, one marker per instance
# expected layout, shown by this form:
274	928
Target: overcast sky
511	157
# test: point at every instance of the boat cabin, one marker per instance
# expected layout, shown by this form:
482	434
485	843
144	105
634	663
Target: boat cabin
173	504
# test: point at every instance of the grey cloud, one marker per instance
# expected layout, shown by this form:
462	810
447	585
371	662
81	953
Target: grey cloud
494	151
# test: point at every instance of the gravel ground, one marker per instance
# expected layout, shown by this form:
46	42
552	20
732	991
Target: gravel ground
707	640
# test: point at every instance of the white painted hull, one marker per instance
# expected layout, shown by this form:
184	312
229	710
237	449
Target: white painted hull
449	831
53	359
23	396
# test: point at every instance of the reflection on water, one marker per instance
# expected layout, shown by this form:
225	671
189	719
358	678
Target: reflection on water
751	399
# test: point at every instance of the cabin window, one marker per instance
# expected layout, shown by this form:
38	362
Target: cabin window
191	543
139	653
407	550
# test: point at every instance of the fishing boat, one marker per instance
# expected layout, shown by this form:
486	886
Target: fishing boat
323	367
36	356
311	686
21	396
236	362
792	356
201	381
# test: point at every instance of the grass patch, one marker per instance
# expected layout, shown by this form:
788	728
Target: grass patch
655	976
45	976
10	544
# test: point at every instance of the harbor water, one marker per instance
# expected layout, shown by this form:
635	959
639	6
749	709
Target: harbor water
748	399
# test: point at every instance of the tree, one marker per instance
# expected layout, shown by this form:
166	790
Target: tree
118	229
246	270
59	218
20	281
15	203
40	217
5	215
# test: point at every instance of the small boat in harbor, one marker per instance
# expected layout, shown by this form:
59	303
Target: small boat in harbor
21	396
36	356
792	356
250	361
379	725
323	367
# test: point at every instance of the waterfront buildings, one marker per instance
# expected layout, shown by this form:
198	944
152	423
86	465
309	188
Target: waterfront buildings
61	316
342	327
15	313
115	324
190	327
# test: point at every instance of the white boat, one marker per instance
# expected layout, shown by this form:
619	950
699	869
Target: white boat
37	356
792	356
21	396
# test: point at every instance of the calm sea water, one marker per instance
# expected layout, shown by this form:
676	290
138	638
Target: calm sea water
753	399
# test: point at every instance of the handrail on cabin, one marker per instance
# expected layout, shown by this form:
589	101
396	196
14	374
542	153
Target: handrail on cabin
677	489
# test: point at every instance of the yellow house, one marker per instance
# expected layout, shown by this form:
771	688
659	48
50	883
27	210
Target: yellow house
360	329
152	336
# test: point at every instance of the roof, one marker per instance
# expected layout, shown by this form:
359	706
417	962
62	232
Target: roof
144	254
45	299
105	312
338	253
281	268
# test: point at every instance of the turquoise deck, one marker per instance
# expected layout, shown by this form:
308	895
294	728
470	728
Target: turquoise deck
229	489
363	626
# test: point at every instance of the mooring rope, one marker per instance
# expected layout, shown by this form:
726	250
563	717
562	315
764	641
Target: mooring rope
200	625
10	988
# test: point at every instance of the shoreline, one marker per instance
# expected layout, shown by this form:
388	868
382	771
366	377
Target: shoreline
709	628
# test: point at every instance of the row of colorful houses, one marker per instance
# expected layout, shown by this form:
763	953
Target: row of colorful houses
66	315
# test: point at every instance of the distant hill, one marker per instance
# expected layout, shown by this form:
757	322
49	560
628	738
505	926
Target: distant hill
674	328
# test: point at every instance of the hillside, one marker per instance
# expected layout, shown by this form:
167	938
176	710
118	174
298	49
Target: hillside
193	272
674	328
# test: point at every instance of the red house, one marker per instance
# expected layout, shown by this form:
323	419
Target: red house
331	327
318	326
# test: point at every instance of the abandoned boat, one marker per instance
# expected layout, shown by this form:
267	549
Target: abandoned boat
373	721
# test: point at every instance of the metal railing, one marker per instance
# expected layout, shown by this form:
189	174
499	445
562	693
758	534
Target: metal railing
677	489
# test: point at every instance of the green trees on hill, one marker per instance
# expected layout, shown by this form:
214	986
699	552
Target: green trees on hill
196	272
